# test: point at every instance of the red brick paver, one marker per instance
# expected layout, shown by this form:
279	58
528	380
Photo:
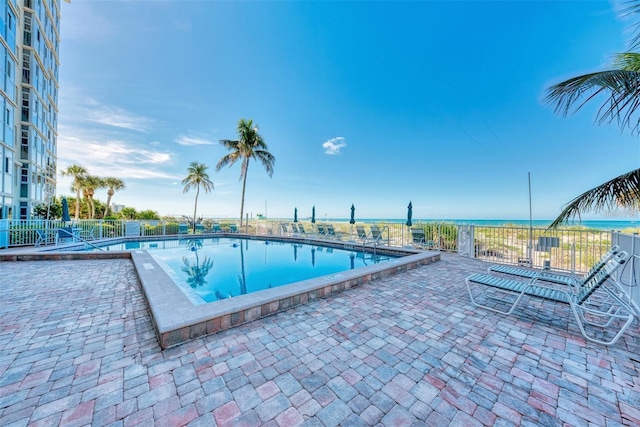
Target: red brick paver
77	347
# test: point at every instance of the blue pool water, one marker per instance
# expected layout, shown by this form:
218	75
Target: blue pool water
219	268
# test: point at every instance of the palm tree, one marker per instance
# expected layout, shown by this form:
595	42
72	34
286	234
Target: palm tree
621	87
89	184
113	184
249	145
197	177
77	172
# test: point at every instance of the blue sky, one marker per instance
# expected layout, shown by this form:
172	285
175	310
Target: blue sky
371	103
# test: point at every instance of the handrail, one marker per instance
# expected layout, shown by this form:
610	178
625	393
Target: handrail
77	237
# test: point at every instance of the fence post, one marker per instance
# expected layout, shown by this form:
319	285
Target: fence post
4	233
466	245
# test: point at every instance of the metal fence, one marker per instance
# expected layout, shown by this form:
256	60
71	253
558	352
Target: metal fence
571	250
561	249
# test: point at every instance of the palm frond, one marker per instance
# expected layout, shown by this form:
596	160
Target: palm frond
621	87
632	9
227	159
267	159
620	192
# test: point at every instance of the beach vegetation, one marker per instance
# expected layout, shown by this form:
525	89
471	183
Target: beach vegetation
249	145
128	213
148	215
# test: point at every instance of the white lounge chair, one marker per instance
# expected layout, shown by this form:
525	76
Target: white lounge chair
553	277
485	289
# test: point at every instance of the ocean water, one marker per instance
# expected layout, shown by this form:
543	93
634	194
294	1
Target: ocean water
594	224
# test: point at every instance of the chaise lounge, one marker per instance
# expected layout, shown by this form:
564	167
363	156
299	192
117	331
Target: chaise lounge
586	308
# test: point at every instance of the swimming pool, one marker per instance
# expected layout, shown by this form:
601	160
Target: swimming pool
213	269
177	319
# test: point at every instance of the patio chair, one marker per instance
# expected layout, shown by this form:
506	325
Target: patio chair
553	277
586	310
284	229
301	229
67	234
376	233
419	239
215	228
44	237
294	229
199	228
183	228
321	230
331	232
233	228
374	236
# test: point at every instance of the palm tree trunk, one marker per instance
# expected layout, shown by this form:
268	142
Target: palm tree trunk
106	209
244	184
77	215
195	208
92	207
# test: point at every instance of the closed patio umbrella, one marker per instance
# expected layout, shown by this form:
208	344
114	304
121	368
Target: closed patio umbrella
65	210
295	215
353	215
313	215
409	214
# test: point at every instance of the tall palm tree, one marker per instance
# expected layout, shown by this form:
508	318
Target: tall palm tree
89	184
249	145
197	176
77	172
113	184
621	88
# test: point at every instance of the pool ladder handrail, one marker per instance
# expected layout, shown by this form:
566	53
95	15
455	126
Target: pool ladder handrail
76	237
375	241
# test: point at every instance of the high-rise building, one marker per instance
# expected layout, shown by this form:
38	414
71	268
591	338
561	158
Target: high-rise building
29	63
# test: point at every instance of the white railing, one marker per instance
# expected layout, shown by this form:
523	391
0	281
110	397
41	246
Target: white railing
570	250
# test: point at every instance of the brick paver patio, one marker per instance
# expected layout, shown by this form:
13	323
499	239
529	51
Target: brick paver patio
77	348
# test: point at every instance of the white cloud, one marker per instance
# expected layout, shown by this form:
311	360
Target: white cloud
191	140
113	158
333	146
118	117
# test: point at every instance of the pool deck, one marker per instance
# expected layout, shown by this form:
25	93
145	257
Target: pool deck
77	347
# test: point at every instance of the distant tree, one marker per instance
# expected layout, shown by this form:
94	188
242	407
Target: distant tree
148	215
51	211
78	173
197	176
99	207
249	145
113	184
128	213
620	86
